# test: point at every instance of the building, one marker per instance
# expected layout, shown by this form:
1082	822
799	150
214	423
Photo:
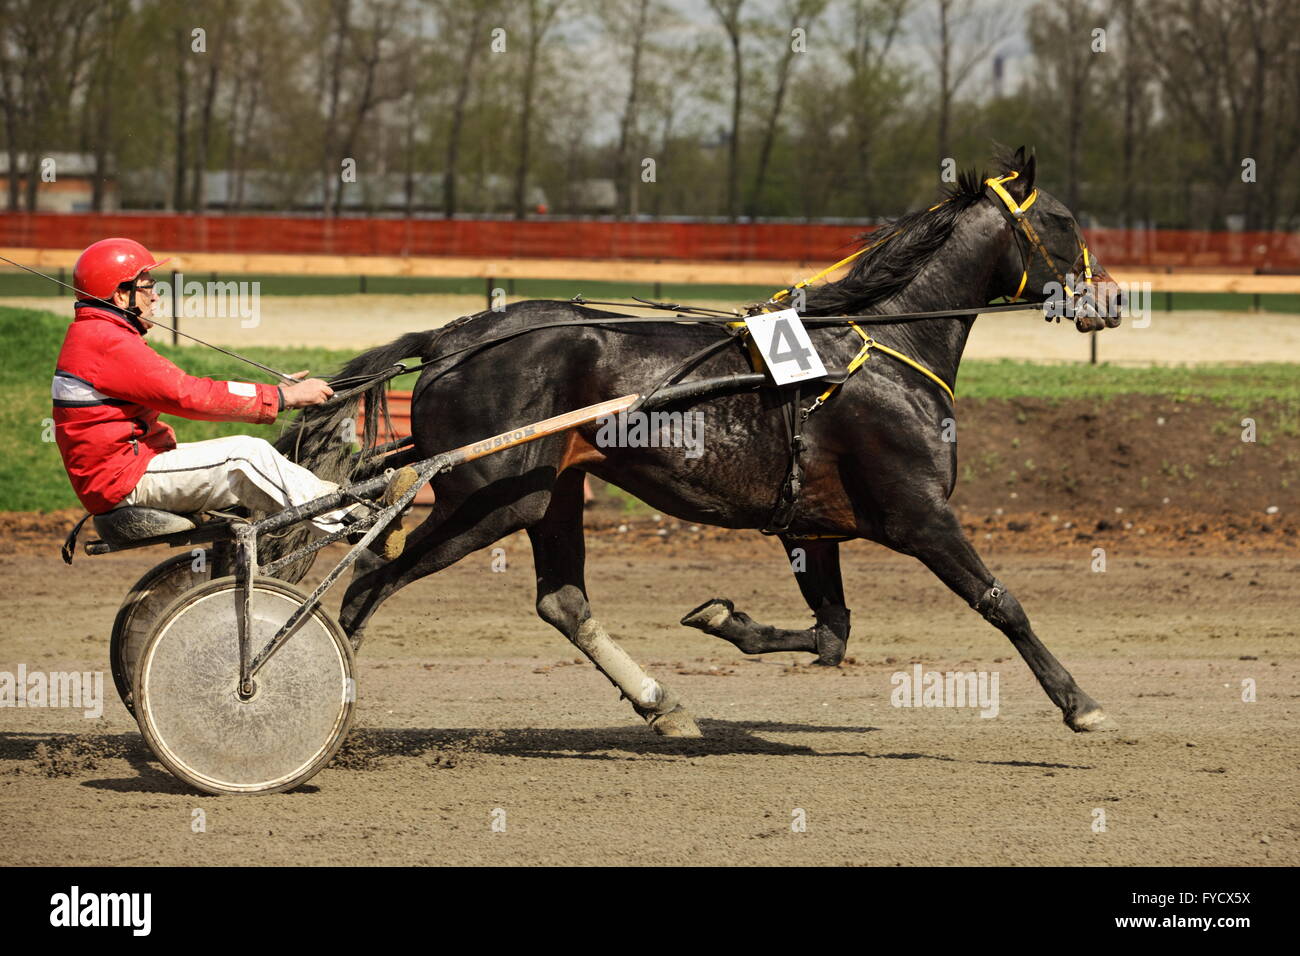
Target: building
66	182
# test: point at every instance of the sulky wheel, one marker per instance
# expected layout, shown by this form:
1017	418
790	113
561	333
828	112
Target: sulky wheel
142	608
196	722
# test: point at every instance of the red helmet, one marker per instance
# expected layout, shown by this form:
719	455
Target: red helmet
107	264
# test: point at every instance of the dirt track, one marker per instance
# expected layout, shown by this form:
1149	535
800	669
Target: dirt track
468	703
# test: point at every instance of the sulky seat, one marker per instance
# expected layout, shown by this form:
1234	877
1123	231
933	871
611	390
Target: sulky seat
124	526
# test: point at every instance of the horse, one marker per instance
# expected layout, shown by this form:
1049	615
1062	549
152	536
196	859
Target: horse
873	460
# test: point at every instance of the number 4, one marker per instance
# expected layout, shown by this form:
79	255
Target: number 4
781	332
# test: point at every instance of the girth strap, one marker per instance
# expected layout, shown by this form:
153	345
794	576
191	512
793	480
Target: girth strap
793	415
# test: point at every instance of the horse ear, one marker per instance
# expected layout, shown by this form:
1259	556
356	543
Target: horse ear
1023	185
1029	172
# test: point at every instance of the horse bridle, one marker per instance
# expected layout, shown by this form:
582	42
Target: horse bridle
1015	214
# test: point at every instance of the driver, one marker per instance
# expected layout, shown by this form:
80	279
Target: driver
110	387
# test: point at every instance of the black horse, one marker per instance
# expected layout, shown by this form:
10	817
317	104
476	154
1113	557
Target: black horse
876	464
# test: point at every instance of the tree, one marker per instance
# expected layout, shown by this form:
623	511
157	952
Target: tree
541	17
799	14
728	14
874	91
462	24
358	54
627	23
251	59
1133	86
41	82
1227	72
101	101
181	50
222	28
960	26
1061	34
668	94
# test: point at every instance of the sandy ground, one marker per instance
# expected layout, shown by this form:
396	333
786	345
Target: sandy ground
469	705
361	321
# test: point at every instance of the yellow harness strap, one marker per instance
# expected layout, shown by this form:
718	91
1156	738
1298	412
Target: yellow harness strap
1017	213
1016	210
868	343
778	296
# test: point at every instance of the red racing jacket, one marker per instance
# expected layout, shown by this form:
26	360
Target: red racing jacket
109	389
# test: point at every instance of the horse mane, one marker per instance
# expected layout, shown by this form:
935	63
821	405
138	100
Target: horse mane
887	267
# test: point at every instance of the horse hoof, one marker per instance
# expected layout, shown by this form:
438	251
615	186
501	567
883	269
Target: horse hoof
710	615
394	543
678	722
1091	721
399	484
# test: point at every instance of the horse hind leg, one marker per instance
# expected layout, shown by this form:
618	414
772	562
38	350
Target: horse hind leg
559	557
460	523
816	566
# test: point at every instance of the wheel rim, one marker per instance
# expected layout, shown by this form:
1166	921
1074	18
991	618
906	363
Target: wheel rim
196	723
141	611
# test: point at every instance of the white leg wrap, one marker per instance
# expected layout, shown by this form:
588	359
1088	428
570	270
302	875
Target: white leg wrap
638	686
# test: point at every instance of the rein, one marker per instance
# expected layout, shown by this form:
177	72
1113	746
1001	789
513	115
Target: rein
1014	212
284	377
345	388
794	414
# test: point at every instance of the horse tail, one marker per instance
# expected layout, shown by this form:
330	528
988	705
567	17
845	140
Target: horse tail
320	438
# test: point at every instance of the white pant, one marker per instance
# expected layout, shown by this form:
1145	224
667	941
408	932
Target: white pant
223	472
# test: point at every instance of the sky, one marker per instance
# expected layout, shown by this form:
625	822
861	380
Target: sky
695	19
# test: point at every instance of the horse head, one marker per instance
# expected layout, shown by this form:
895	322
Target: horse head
1048	253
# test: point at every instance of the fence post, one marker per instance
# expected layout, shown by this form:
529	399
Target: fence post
1092	347
488	291
363	284
176	310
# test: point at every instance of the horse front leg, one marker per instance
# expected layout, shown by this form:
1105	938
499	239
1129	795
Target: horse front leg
816	567
935	537
559	556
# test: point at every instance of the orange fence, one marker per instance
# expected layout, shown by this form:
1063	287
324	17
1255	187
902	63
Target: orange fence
506	239
1263	252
